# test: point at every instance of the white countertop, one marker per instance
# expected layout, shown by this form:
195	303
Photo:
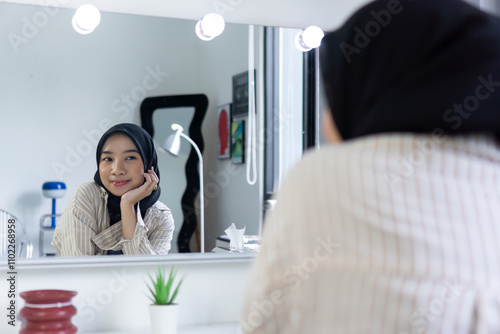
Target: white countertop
199	329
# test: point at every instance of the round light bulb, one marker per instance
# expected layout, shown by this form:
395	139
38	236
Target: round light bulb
200	33
309	38
210	26
86	19
312	36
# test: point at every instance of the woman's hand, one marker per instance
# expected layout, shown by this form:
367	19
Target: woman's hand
130	198
135	195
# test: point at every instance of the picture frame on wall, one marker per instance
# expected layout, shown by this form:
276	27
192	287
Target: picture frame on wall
224	131
238	142
240	95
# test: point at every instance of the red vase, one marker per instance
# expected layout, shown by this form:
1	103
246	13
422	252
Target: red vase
47	312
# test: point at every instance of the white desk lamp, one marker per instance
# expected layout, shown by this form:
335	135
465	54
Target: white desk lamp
173	145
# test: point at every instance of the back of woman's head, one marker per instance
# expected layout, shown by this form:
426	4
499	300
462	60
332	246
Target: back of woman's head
414	66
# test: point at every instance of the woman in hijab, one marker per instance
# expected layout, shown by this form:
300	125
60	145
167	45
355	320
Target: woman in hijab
394	227
119	212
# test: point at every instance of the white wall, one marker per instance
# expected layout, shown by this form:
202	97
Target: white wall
59	91
228	197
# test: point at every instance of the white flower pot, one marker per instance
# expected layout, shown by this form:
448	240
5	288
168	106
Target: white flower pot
164	318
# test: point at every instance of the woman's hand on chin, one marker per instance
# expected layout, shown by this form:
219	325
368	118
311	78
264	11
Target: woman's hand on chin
135	195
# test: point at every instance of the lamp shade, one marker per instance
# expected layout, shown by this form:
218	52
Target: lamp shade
173	142
54	189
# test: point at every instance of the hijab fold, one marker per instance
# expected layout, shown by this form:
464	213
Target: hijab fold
414	66
145	146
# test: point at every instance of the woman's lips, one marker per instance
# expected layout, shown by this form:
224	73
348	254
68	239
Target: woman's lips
119	183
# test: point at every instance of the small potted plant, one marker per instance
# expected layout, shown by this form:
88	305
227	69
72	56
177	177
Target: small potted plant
163	311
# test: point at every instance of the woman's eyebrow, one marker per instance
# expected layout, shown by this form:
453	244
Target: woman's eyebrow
127	151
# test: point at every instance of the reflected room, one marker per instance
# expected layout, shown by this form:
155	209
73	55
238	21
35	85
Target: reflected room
61	90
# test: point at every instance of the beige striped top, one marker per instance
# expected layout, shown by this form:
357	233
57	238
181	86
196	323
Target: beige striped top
391	233
83	228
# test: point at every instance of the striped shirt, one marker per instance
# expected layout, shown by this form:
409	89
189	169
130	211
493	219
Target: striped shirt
392	233
83	228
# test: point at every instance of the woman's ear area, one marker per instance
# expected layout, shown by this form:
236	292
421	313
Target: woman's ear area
330	130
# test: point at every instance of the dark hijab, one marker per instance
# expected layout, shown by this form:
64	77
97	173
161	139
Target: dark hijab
419	66
145	146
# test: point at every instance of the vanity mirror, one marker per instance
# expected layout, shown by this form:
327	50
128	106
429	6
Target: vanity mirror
61	90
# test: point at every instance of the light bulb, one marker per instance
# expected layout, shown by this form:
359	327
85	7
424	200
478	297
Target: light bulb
86	19
210	26
309	38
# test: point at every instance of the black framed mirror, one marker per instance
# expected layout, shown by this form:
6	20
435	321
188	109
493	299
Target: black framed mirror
199	102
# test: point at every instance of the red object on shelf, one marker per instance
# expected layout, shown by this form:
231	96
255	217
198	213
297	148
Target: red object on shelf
47	312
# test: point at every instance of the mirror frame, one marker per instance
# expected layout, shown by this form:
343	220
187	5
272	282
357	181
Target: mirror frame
118	261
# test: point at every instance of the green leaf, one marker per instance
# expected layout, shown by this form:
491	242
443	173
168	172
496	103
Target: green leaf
171	278
161	290
171	301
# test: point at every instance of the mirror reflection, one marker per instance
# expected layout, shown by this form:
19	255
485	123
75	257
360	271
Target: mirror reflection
176	183
156	112
61	90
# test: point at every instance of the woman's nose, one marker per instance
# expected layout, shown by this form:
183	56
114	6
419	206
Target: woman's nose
118	168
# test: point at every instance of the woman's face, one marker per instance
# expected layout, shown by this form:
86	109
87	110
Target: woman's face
330	130
120	166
